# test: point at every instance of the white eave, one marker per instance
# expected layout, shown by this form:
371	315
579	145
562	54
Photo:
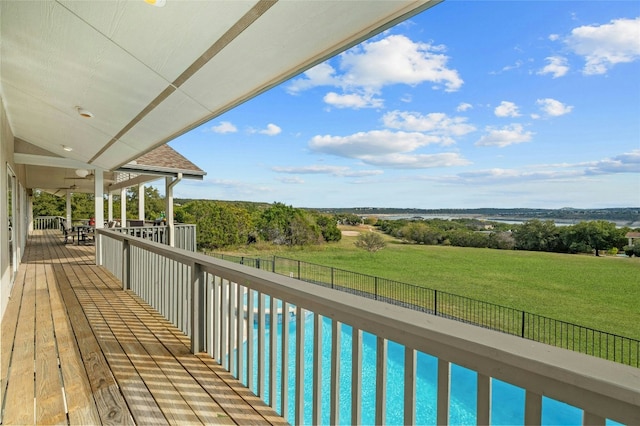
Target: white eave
150	74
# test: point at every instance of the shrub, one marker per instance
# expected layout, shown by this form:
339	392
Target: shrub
629	250
580	247
370	241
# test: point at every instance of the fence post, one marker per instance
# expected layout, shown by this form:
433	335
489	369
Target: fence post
435	302
332	277
522	331
197	308
126	265
273	265
298	269
375	284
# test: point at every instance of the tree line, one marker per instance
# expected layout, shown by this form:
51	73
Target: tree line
220	224
83	206
223	224
533	235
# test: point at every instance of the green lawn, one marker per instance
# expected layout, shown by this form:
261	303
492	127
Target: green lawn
597	292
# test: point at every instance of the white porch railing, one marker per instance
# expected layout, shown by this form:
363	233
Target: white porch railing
184	234
205	298
47	222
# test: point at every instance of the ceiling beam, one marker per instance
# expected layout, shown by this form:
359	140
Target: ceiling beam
42	160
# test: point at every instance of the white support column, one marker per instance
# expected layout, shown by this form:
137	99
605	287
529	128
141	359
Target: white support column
168	199
68	211
30	212
99	198
110	208
123	207
99	210
141	201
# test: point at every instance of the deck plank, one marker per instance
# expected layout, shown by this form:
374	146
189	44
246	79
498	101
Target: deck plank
8	332
49	403
137	364
120	361
77	390
18	404
111	406
236	399
142	405
160	363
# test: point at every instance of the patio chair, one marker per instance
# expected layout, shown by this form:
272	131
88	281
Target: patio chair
67	232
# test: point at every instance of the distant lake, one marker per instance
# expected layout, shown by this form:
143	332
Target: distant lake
558	222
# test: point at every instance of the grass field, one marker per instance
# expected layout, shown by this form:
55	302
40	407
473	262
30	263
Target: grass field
597	292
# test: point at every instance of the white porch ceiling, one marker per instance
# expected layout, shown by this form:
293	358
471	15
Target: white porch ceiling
149	74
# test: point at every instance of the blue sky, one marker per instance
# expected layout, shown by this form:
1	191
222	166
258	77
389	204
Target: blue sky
469	104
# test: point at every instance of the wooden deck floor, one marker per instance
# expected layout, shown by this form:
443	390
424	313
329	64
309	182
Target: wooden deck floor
76	349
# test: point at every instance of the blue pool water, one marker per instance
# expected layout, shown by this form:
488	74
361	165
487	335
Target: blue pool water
507	400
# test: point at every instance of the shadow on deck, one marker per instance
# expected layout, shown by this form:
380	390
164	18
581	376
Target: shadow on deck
77	349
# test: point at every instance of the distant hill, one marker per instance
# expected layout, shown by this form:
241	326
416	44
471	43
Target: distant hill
629	216
623	216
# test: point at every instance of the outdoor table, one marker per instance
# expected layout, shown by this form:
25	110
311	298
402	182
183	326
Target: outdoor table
83	230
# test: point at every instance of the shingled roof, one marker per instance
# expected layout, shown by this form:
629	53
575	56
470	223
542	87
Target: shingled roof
164	160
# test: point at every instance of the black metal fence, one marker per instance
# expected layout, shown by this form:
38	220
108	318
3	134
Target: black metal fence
524	324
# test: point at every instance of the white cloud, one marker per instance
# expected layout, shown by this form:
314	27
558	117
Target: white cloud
553	108
367	68
293	180
497	175
385	148
271	130
416	161
557	66
397	59
508	135
234	188
406	98
515	66
224	127
321	75
624	163
373	143
506	109
436	124
464	107
340	171
604	46
353	100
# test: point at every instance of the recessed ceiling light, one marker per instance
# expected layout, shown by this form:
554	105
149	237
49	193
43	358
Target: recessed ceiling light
67	148
156	3
84	113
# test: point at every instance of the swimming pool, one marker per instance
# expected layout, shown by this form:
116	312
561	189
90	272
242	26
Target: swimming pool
507	400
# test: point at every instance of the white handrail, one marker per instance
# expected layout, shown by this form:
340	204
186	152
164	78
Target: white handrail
194	291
